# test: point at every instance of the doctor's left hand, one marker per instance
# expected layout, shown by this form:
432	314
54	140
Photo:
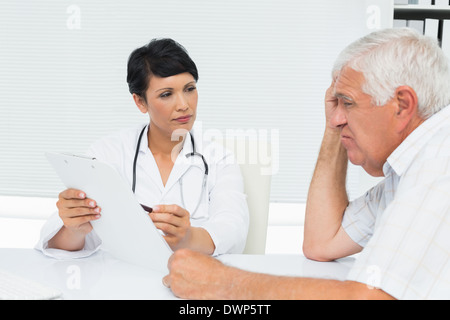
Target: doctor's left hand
175	222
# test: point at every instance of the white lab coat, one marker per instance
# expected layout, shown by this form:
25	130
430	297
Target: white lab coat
223	210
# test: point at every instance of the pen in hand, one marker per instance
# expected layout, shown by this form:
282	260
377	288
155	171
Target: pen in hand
148	209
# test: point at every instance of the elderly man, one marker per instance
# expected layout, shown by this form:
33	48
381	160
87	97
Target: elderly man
388	111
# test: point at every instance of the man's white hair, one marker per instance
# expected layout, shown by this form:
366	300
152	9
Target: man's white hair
391	58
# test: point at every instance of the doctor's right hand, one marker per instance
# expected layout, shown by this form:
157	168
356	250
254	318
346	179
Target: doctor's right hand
76	211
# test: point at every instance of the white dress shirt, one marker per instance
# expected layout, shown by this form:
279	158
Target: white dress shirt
222	210
403	223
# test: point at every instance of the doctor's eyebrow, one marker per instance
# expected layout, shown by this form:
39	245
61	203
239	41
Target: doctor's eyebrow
190	83
162	89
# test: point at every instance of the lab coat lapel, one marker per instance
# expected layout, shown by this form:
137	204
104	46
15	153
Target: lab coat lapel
148	163
182	163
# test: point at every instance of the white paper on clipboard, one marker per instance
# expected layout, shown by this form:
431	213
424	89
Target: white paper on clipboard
126	230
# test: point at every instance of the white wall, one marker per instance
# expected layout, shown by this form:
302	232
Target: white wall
264	66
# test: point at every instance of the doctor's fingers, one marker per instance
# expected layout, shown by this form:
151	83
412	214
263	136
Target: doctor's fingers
176	228
79	221
170	230
75	203
69	213
171	208
72	194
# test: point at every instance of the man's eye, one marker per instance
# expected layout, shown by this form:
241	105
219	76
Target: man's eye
347	103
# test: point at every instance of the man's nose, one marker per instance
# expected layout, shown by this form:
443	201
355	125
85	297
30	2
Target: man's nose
338	116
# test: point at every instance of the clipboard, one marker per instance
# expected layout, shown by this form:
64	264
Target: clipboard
126	230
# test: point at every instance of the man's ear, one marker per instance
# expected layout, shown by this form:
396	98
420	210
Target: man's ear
407	107
140	103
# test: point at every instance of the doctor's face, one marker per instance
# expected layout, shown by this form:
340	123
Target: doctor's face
171	102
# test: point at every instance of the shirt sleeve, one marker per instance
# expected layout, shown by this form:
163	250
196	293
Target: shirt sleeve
360	215
408	255
48	231
228	210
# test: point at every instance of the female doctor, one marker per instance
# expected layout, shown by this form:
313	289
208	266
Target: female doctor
194	187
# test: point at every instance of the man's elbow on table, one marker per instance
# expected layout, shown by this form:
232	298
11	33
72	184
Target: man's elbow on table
316	252
319	249
339	246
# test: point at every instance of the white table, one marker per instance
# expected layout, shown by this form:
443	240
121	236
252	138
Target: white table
104	277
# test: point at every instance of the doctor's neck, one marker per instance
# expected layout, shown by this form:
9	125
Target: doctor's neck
164	144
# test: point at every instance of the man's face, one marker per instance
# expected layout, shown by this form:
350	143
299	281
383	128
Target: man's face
367	131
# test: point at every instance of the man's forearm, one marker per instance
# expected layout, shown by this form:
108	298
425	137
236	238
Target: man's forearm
327	196
268	287
193	275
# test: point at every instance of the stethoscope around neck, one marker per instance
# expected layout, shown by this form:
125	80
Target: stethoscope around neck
191	154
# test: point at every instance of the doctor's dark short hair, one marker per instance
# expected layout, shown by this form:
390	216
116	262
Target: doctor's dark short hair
162	58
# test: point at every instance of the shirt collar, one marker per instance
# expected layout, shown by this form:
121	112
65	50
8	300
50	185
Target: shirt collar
185	157
187	144
143	147
405	153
